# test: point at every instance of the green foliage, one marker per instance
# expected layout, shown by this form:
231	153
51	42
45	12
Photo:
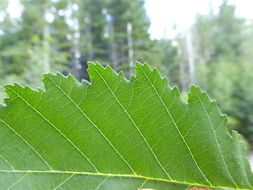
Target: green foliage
223	47
219	37
116	134
232	90
79	31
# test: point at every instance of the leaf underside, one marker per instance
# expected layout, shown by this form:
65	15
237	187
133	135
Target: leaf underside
116	134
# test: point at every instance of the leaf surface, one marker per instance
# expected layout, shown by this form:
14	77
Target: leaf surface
116	134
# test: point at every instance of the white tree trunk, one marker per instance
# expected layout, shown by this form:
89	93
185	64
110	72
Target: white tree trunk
130	46
191	62
46	49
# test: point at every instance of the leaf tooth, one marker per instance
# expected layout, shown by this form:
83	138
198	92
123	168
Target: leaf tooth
90	63
9	90
241	149
132	78
96	65
45	80
85	82
206	97
191	96
148	70
46	75
95	70
58	74
6	102
50	78
70	78
122	76
91	70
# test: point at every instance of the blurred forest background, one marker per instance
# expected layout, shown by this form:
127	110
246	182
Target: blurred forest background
62	35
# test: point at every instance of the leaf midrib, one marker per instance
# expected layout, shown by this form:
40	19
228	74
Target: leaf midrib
108	175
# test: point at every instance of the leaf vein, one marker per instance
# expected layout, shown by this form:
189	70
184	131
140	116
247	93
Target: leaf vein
7	162
216	139
26	142
131	119
18	181
175	124
83	113
59	131
64	181
100	184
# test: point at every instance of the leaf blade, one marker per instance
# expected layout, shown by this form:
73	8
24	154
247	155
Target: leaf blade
118	130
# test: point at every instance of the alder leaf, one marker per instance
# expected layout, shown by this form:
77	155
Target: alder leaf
116	134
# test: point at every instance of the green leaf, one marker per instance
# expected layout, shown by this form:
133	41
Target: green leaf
116	134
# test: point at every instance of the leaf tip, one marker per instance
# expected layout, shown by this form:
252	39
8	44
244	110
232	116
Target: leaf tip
94	67
194	88
90	63
138	64
46	76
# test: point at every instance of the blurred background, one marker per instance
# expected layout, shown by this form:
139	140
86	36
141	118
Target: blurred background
209	43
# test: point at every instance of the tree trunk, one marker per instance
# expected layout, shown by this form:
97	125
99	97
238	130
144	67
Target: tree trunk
130	46
190	56
46	49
